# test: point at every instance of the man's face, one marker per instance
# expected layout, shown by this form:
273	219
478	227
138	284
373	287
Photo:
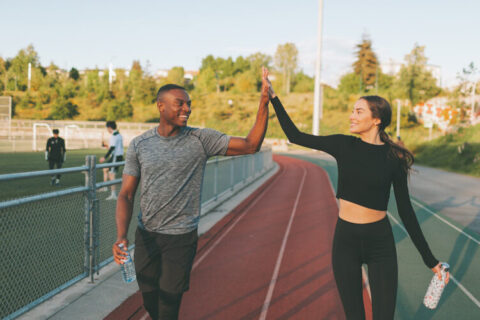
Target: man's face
175	107
110	130
55	135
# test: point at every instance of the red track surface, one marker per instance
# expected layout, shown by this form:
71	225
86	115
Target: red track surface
295	211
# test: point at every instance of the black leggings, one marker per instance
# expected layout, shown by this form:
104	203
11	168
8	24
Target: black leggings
371	244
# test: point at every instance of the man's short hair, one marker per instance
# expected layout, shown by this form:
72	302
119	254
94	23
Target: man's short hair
111	124
55	131
167	88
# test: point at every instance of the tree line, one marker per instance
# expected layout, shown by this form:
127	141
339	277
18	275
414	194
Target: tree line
91	95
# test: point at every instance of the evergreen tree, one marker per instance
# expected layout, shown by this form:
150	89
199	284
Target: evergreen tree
366	66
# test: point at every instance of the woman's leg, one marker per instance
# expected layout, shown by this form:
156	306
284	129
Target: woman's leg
346	262
383	276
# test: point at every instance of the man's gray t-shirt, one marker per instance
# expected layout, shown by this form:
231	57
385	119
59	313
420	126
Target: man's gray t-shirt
171	174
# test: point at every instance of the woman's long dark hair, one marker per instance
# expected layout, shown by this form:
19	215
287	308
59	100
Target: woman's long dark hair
381	109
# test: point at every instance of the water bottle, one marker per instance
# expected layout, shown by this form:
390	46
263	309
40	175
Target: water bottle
435	289
128	268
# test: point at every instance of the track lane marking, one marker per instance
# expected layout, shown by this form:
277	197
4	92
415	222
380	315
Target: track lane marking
445	221
465	290
202	257
273	281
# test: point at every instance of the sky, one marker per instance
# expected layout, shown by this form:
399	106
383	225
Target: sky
163	34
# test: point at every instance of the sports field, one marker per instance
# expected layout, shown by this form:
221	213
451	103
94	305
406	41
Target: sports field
35	161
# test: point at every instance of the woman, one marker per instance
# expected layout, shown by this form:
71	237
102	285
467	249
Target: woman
367	166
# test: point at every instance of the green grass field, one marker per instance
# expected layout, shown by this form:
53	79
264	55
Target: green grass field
43	242
35	161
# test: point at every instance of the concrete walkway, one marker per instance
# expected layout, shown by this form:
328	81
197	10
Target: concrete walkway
87	301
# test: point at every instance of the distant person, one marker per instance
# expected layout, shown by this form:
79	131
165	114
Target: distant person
55	154
367	166
169	162
114	154
400	142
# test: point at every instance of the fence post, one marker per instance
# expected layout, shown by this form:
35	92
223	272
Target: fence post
90	207
215	176
232	160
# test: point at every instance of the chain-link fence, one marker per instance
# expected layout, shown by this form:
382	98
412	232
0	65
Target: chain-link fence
52	240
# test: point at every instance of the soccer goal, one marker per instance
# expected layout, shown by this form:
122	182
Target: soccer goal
74	137
6	116
41	133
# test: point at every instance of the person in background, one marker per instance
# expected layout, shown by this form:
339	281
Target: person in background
114	154
55	154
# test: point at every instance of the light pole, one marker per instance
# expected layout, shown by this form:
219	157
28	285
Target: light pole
399	106
472	116
317	94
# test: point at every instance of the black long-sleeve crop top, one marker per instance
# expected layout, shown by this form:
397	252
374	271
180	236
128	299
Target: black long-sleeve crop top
365	174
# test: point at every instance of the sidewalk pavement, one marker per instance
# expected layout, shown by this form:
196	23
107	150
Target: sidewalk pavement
87	301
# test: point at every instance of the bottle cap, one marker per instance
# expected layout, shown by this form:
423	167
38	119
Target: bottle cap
445	266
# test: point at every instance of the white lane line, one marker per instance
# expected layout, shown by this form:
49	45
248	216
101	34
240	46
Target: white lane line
448	223
202	257
273	281
467	293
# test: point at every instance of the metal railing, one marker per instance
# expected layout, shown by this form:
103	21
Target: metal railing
52	240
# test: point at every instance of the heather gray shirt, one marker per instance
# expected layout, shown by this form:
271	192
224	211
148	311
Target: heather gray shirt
171	174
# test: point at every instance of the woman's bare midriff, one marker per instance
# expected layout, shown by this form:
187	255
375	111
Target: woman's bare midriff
356	213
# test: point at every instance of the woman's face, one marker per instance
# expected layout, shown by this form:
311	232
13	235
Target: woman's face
361	118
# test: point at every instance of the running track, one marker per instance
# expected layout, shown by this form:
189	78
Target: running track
270	258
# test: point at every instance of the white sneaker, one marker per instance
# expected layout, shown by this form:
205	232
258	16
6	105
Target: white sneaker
112	197
57	182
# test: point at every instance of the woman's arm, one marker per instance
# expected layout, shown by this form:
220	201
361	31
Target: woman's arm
330	144
409	219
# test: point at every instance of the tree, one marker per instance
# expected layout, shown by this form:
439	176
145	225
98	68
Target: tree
350	83
303	83
286	60
416	82
205	81
366	65
18	67
176	75
63	109
74	74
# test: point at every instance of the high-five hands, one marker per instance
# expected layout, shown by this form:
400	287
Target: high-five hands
265	84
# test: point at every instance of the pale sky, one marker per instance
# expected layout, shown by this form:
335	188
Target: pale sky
86	34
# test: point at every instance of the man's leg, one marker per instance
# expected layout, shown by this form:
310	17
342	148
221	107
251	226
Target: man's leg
59	166
177	261
169	305
162	305
51	165
150	303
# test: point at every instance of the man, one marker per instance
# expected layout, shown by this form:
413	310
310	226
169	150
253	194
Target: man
169	161
114	154
55	154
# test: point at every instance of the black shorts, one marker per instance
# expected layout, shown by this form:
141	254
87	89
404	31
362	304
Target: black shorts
111	160
164	261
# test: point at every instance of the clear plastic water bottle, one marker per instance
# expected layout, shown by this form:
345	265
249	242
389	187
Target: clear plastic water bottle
128	268
435	289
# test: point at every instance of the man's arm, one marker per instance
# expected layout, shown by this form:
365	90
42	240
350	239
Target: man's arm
124	214
253	142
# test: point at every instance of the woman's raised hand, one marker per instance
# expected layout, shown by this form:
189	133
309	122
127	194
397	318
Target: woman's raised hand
265	83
